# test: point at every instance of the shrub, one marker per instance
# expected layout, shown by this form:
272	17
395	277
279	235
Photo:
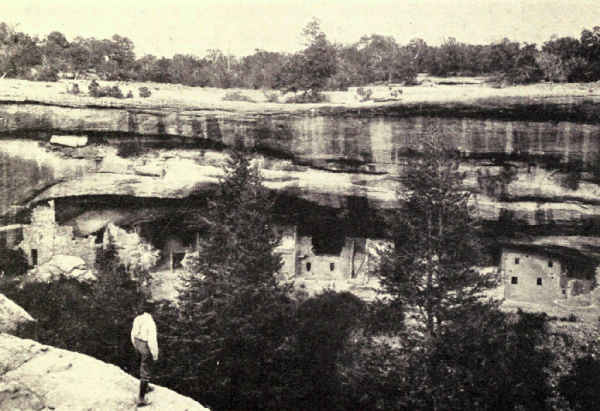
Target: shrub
324	323
571	318
580	386
307	97
74	89
237	96
145	92
114	91
365	95
46	73
95	90
271	96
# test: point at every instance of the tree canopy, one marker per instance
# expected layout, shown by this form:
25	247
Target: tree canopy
320	65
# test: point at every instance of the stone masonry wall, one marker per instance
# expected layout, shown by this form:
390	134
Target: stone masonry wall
46	238
531	277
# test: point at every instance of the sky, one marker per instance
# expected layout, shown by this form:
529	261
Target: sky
167	27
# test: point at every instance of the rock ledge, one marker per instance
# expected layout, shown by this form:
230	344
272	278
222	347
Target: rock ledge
40	377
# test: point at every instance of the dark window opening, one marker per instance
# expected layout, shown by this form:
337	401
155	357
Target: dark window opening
514	280
99	237
328	237
308	266
331	266
564	291
550	263
539	281
34	257
178	260
516	260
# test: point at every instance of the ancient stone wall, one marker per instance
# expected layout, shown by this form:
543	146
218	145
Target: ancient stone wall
348	264
531	277
287	250
44	238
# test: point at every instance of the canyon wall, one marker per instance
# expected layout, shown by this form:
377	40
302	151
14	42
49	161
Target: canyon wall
339	158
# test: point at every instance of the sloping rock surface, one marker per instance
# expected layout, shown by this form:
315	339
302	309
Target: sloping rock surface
11	315
39	377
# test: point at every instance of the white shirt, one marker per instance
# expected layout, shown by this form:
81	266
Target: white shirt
144	329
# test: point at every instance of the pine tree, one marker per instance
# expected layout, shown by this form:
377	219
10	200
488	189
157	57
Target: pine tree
429	271
233	310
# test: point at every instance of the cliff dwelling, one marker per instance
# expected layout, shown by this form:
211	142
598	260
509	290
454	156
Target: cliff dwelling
44	238
538	275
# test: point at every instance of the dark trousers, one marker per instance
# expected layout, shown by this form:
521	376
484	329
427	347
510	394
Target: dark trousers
141	347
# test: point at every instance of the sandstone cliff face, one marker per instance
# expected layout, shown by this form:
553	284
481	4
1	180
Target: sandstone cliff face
39	377
340	157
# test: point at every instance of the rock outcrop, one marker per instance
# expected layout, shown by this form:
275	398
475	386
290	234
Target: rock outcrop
40	377
61	267
12	315
341	156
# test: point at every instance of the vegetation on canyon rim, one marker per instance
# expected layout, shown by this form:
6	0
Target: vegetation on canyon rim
321	65
240	339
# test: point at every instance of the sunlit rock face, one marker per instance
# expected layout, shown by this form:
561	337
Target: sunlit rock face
40	377
359	140
344	159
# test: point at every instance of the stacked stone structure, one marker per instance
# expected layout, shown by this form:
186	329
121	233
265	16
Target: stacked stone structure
44	238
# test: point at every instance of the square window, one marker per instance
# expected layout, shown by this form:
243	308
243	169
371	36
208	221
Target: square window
539	281
550	263
308	266
331	266
516	260
514	280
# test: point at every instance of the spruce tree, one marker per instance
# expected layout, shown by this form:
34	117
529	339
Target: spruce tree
429	270
233	312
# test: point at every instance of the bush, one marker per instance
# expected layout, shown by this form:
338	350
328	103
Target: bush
46	73
145	92
307	97
365	95
580	386
114	91
13	262
95	90
74	89
237	96
271	96
324	323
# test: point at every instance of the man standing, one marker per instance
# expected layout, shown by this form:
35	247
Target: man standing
143	338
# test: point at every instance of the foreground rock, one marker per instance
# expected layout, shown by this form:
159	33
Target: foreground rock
12	315
38	377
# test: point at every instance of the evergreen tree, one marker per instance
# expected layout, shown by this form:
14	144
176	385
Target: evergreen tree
233	313
458	346
429	270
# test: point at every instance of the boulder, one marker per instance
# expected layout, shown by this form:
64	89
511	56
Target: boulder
11	315
69	141
62	266
40	377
